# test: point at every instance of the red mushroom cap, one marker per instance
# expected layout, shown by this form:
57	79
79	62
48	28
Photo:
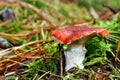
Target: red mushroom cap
73	33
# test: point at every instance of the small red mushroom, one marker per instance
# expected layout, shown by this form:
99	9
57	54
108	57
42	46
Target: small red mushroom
76	37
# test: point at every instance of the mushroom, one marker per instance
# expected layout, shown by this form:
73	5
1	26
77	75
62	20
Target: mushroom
76	37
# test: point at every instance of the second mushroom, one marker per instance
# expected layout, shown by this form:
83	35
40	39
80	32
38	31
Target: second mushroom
76	37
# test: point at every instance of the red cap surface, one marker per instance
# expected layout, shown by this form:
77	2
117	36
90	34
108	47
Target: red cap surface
73	33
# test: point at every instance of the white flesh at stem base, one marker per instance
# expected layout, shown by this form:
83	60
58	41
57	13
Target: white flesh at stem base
75	55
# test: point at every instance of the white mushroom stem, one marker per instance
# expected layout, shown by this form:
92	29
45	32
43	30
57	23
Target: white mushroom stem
75	55
76	51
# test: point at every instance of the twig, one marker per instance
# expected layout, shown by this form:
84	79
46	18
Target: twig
10	73
114	55
17	62
114	32
53	74
61	59
35	77
115	36
85	23
5	23
117	51
110	8
44	75
93	13
42	31
115	76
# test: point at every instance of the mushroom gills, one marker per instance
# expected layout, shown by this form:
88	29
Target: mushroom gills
75	55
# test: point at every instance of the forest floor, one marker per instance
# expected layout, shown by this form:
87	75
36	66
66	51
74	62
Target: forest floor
28	52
